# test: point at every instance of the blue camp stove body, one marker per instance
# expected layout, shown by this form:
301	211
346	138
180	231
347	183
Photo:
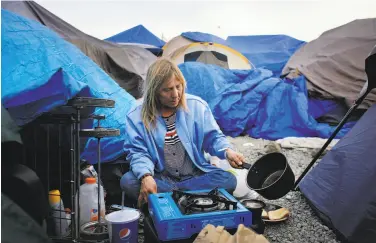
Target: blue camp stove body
181	214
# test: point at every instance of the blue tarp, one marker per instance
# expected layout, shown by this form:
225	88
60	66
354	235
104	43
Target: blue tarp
340	187
266	51
320	107
40	71
138	34
203	37
255	103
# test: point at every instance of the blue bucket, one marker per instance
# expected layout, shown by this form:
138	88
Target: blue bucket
123	226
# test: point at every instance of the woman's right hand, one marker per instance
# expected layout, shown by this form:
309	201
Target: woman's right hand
148	186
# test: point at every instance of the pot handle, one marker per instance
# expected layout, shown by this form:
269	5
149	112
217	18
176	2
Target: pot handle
246	166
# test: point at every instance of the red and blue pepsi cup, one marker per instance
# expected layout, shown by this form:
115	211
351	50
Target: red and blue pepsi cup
123	226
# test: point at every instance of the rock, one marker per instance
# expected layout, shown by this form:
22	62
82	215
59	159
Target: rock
272	147
248	144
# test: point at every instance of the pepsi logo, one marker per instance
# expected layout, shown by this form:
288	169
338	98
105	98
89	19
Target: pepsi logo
125	234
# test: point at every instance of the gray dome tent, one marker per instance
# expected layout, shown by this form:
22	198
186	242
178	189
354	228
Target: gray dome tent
334	63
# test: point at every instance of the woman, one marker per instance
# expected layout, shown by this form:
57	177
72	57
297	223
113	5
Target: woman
167	136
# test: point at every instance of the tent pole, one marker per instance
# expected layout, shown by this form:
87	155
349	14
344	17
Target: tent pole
339	126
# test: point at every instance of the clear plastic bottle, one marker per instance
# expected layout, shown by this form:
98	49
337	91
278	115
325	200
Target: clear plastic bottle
89	201
58	213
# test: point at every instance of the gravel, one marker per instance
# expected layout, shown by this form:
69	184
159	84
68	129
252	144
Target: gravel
302	225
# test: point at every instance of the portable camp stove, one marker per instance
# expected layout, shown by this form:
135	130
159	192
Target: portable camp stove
179	215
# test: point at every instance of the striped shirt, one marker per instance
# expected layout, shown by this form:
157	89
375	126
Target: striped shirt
171	137
178	164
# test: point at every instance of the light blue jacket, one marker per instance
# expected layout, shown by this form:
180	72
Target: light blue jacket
197	129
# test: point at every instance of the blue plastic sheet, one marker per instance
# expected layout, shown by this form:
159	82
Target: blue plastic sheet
266	51
203	37
255	103
138	34
41	71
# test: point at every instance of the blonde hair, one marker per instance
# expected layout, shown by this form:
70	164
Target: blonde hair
159	72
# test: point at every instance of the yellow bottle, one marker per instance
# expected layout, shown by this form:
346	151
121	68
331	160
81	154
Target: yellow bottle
58	213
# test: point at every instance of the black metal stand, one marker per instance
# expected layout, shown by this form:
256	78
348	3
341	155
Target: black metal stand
97	230
77	176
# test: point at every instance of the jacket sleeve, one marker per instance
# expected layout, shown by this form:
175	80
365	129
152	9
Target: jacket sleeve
136	150
215	142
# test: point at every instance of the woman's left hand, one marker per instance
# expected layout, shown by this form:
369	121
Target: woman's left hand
234	158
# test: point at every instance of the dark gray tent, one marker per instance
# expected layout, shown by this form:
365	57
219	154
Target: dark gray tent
127	65
334	63
341	188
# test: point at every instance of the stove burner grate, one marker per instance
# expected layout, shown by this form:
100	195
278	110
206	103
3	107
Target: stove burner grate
191	203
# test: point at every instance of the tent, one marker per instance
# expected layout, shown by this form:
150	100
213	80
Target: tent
266	51
334	63
127	65
138	36
341	187
186	38
211	53
153	49
40	72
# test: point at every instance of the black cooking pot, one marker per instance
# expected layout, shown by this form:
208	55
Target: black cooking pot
270	176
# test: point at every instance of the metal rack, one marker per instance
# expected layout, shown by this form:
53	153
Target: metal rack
68	117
